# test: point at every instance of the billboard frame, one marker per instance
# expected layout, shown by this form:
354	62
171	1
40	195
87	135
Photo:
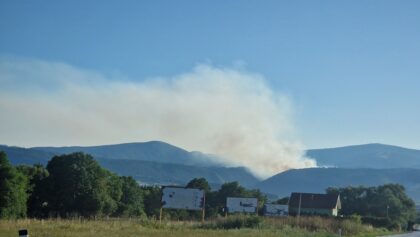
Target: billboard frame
254	212
203	209
283	212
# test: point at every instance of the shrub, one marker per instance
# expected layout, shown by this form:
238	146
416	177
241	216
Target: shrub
234	222
351	226
356	218
377	221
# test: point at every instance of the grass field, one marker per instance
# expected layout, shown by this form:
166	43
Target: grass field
137	227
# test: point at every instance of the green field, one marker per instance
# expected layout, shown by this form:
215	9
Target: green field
138	227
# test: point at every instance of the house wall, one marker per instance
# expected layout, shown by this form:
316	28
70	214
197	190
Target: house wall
313	211
335	212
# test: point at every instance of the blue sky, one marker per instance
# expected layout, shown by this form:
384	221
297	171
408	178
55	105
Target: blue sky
350	68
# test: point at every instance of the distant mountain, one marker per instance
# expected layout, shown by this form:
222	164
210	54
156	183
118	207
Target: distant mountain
161	163
19	155
367	156
148	163
147	151
318	179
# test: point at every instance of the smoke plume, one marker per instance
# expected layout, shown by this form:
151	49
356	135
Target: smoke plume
227	112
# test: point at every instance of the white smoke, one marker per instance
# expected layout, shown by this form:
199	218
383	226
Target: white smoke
223	111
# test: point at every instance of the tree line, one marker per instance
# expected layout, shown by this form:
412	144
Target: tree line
386	205
70	185
75	185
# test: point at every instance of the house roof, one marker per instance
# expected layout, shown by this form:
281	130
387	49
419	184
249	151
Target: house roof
315	200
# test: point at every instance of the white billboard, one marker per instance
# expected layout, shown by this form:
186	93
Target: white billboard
182	198
235	204
276	210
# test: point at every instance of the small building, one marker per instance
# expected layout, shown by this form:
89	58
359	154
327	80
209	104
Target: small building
314	204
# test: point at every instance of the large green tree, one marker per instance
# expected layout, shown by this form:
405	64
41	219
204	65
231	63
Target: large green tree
131	202
35	175
77	185
200	183
152	200
112	193
13	186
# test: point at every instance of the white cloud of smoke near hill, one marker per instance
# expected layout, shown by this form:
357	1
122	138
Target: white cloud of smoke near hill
227	112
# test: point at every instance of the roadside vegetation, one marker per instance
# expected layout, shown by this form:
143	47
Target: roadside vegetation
264	227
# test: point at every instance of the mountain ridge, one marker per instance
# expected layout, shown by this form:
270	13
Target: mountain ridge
180	170
158	162
373	155
157	151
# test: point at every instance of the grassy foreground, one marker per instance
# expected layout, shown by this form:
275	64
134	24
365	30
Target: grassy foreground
136	227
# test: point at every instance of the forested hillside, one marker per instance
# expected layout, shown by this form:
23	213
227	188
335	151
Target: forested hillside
148	163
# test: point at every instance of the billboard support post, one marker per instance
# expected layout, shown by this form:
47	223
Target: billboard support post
160	215
258	207
204	208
